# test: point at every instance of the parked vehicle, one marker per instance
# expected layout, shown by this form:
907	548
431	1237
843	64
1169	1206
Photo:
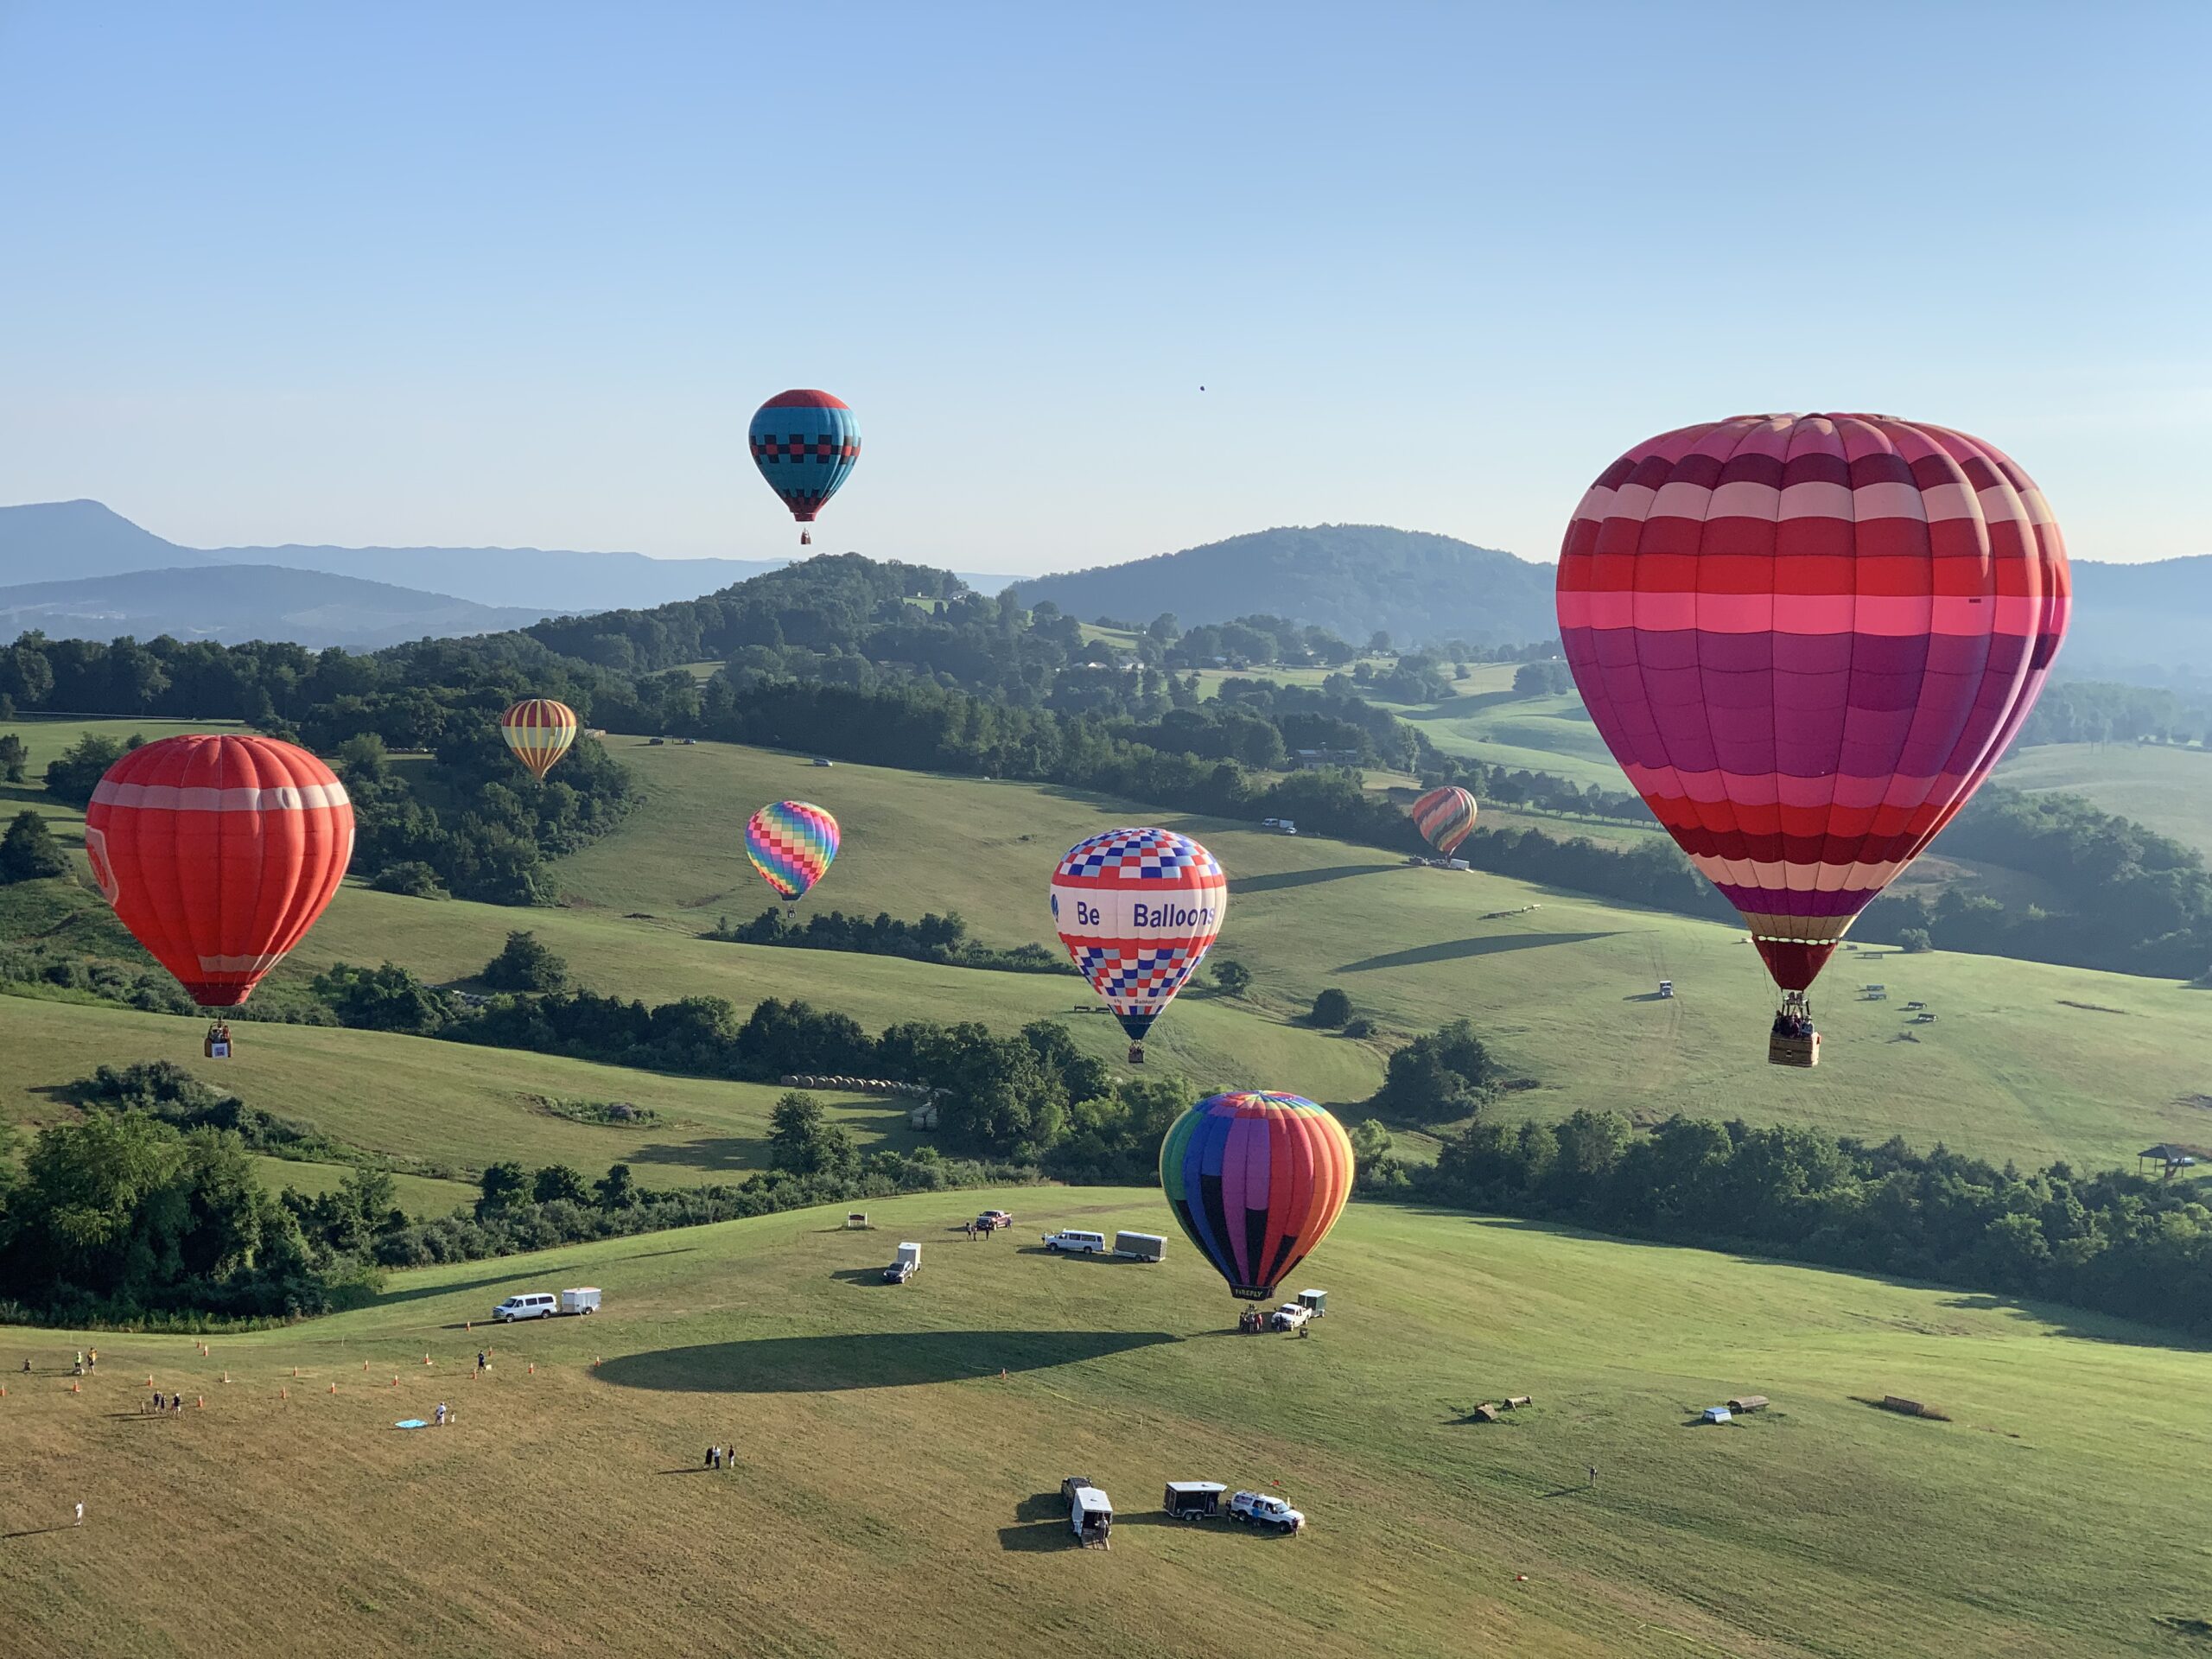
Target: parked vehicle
908	1264
1666	989
1314	1301
533	1305
1090	1512
1289	1316
991	1220
1194	1500
1140	1247
1075	1243
1258	1510
582	1299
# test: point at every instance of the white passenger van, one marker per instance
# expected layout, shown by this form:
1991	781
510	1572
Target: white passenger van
535	1305
1076	1243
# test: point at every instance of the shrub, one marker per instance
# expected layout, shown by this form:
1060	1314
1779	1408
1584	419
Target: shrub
1332	1008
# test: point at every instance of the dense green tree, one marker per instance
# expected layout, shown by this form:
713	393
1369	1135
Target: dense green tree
15	756
1332	1008
29	851
526	964
558	1182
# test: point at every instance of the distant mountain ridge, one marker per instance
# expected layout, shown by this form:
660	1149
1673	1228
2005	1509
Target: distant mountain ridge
2131	618
1353	580
232	603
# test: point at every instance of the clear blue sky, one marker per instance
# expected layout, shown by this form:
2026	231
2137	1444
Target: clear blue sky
519	274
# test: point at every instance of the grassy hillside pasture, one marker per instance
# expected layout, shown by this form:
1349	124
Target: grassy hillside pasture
47	740
895	1495
439	1105
419	1195
2168	790
2026	1061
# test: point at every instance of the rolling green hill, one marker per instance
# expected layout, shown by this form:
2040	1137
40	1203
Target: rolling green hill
2165	788
895	1494
2025	1061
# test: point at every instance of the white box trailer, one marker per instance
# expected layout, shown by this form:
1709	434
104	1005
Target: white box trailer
1090	1512
1140	1247
582	1299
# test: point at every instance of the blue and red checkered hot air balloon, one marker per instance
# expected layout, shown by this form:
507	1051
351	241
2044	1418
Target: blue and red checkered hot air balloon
1137	910
805	444
1257	1179
791	844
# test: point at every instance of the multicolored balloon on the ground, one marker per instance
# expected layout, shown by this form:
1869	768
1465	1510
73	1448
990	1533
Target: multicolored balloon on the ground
791	844
1137	910
1445	818
218	853
805	444
1808	638
1257	1179
539	731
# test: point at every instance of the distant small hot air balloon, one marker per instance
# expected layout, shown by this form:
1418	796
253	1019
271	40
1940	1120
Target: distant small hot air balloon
1257	1179
218	853
1137	910
791	844
539	731
1808	638
805	444
1445	818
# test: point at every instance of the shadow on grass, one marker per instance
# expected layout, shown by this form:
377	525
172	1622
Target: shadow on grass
723	1152
1103	1258
1042	1506
1488	944
1246	884
39	1532
862	1276
518	1268
885	1359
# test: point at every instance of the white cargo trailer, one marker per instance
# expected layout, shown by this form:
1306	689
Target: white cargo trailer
584	1298
1140	1247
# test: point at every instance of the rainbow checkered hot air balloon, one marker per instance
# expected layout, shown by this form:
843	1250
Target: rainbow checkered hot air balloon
539	731
1137	910
1257	1179
1808	638
791	844
1445	818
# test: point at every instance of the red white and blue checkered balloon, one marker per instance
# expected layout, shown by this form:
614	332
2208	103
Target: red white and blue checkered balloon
1137	910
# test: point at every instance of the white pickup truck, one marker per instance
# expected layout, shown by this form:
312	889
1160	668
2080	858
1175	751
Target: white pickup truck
1258	1510
1290	1316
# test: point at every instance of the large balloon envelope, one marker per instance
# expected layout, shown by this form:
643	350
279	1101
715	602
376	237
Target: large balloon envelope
805	444
1137	910
791	844
539	731
218	853
1445	818
1257	1179
1808	638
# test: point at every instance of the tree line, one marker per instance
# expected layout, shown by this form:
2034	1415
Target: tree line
2110	1241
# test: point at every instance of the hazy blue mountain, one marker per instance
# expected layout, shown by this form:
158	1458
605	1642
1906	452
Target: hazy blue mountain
230	603
2127	617
50	540
1351	579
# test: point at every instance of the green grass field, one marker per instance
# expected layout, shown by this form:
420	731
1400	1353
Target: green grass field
2169	790
894	1495
2026	1061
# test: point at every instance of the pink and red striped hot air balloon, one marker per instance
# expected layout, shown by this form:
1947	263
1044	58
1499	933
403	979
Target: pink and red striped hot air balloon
1808	638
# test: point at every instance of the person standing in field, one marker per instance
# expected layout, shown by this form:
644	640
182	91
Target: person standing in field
80	1512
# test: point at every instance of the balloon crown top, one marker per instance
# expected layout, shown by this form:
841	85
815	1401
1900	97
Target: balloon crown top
804	399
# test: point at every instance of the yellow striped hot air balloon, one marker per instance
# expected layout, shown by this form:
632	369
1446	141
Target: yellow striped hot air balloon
1445	818
539	731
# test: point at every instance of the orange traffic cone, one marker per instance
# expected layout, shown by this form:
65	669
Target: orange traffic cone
295	1370
283	1394
334	1388
533	1371
74	1388
202	1399
426	1359
364	1365
395	1381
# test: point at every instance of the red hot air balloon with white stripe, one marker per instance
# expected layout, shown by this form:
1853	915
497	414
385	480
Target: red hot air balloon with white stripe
218	853
1808	638
1138	909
